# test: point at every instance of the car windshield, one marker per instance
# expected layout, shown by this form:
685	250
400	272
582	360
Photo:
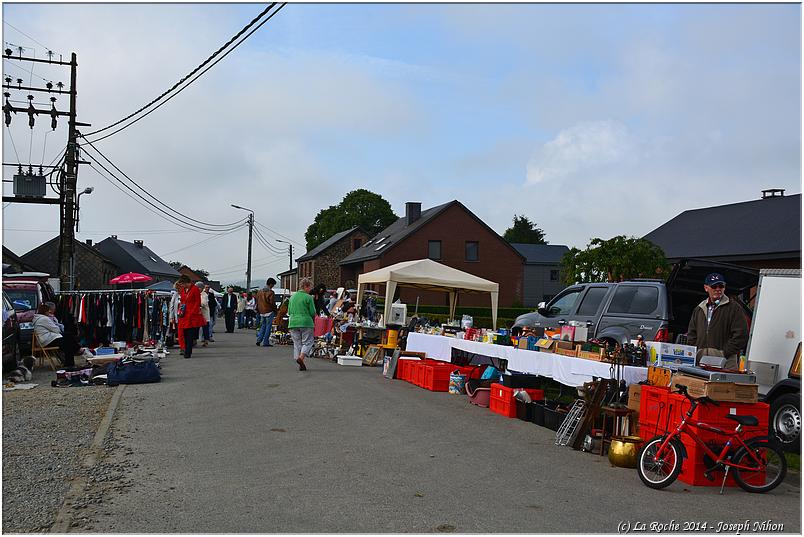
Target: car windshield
22	299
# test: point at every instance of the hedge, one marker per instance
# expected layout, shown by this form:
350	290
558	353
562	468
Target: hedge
511	313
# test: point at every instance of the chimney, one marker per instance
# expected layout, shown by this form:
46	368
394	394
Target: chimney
413	211
138	244
773	193
89	242
114	237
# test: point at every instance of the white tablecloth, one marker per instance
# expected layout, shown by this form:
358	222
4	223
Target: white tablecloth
564	369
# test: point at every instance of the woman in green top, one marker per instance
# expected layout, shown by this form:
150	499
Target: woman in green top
301	311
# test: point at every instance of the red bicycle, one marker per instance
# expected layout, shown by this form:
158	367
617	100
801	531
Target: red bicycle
759	464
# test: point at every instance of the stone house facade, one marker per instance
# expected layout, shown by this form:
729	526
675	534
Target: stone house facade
322	263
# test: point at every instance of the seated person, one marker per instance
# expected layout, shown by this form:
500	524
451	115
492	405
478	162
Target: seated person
50	333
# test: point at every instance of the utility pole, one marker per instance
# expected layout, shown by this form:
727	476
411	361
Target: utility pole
68	176
250	232
68	190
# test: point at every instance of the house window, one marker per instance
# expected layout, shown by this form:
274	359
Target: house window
472	251
554	275
357	244
434	249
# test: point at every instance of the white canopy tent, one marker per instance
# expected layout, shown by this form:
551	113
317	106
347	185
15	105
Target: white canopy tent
432	276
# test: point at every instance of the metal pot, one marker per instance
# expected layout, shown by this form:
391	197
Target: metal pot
623	451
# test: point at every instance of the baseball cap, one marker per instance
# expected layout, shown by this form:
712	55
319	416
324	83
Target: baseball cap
714	279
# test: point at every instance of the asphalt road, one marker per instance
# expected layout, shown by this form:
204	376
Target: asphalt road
236	439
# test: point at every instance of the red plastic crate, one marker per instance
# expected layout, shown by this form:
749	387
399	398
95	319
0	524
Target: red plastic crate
418	374
436	377
502	399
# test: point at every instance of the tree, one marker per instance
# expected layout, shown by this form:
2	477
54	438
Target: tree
178	264
357	208
524	231
614	260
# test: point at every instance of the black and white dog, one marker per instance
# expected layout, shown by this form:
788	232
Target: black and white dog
24	371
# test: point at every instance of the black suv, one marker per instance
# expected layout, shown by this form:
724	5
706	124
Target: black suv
655	309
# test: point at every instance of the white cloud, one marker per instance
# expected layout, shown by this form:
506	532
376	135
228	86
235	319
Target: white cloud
586	147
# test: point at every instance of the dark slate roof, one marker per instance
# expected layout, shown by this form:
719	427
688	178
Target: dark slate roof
288	272
769	226
10	256
131	258
548	254
326	244
394	233
54	243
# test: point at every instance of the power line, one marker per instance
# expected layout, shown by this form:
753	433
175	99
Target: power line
23	70
12	143
243	265
197	223
201	242
142	231
268	246
278	234
193	72
156	210
26	35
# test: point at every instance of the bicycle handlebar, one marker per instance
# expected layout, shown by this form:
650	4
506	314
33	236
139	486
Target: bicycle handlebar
704	400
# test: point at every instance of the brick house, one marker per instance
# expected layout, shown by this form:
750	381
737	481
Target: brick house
321	264
450	234
762	233
92	269
289	279
136	257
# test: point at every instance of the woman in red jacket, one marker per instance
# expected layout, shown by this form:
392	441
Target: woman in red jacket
189	314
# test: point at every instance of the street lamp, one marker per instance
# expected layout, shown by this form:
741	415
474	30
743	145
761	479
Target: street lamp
87	190
250	230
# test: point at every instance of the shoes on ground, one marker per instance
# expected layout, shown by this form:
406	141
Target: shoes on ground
302	367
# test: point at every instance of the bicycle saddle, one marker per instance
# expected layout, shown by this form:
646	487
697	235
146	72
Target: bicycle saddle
748	421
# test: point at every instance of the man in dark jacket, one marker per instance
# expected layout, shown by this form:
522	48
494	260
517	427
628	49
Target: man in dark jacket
229	308
718	326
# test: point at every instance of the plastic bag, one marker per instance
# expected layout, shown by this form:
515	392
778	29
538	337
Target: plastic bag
466	322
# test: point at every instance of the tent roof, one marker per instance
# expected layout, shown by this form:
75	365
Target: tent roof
428	274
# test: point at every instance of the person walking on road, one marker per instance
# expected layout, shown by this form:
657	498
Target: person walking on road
189	313
213	311
204	312
302	312
266	307
241	310
230	307
251	310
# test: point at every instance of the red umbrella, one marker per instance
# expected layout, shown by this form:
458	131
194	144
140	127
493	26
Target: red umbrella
131	277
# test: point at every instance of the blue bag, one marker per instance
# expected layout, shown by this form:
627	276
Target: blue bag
491	372
132	372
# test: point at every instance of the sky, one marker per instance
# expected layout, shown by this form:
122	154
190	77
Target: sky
592	120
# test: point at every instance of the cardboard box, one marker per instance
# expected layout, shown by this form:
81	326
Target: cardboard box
719	391
634	396
546	344
670	355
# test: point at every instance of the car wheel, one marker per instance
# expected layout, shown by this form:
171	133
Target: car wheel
785	421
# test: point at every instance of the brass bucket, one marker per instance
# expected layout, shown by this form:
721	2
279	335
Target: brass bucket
623	451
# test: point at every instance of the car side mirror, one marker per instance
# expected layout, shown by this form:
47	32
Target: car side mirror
541	307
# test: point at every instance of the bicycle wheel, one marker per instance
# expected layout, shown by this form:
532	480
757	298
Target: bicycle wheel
768	472
657	474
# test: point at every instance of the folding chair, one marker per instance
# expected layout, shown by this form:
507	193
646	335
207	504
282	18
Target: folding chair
45	353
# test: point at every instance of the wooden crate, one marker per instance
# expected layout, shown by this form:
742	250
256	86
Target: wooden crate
566	352
597	356
730	392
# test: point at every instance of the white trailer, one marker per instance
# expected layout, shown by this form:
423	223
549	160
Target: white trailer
774	351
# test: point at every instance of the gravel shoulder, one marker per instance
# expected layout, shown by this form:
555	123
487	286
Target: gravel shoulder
46	432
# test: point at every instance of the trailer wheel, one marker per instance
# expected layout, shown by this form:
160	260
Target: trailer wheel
785	421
